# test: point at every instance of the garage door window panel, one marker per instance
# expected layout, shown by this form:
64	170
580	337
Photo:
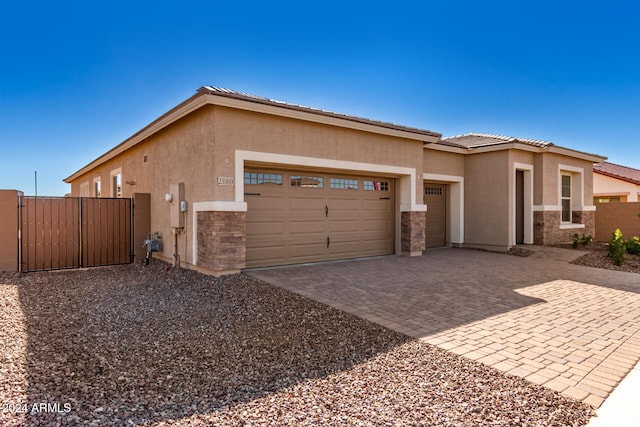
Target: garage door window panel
369	185
306	181
343	183
259	178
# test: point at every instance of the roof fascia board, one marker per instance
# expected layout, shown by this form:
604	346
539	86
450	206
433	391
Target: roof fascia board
618	177
199	100
523	147
508	146
173	115
486	149
595	158
316	117
448	148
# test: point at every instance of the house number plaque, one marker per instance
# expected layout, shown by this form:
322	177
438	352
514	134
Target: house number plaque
225	181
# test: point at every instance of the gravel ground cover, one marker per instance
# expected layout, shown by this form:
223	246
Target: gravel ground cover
598	256
136	345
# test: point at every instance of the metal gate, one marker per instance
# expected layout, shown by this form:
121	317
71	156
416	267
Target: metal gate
71	232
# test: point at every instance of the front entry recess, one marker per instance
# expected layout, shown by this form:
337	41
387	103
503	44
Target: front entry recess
435	197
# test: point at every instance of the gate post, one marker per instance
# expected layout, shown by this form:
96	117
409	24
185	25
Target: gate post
10	230
81	248
20	196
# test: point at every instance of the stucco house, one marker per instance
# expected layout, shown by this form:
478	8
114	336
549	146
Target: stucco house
246	181
615	183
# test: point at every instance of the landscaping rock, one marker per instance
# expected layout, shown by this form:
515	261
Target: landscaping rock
152	345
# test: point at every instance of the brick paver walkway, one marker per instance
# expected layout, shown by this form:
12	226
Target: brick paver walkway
573	329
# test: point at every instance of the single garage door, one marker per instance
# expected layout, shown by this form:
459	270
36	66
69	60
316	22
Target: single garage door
436	222
296	217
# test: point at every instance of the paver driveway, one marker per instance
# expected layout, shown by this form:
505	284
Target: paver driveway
573	329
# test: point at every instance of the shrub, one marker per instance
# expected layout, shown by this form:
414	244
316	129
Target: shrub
633	245
581	240
617	247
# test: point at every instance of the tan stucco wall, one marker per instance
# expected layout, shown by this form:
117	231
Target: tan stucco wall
608	186
201	147
9	230
183	152
443	163
547	176
243	130
487	198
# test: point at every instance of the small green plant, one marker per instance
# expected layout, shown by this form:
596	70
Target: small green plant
583	240
617	247
633	245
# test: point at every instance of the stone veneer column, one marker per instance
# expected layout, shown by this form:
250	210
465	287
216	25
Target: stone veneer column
222	240
412	226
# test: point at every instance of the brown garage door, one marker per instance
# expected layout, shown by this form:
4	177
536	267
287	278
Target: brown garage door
297	217
436	224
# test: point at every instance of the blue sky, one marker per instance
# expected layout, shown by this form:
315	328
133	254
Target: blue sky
79	77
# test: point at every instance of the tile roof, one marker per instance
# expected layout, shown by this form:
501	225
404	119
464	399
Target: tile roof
212	90
476	140
624	173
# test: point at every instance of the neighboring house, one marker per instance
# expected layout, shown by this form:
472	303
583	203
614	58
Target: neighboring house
236	180
615	183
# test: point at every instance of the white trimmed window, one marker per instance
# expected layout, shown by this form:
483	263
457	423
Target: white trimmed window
116	183
570	195
566	198
96	187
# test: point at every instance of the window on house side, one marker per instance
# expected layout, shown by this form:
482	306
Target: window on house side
566	198
117	185
612	199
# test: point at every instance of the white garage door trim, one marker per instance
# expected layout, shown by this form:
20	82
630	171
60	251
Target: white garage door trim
406	177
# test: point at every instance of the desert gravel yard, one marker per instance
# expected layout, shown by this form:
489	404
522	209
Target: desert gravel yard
135	345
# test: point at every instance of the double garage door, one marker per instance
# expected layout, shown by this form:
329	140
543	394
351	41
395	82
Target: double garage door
297	217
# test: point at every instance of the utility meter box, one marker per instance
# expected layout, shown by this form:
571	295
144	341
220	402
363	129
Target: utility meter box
176	219
152	245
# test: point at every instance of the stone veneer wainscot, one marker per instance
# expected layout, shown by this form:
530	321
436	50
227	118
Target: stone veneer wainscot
547	230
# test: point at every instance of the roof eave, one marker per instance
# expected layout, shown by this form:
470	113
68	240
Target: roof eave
205	96
186	107
595	158
621	178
